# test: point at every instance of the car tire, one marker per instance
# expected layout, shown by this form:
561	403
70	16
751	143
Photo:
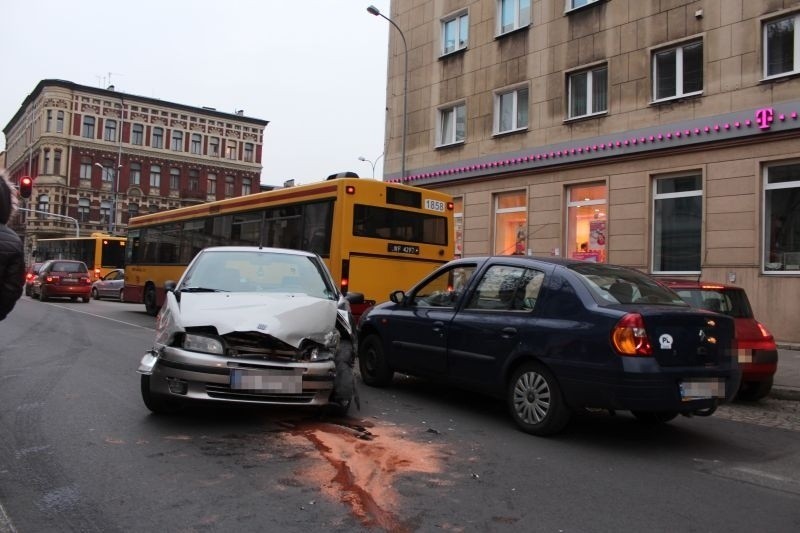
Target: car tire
535	401
122	295
85	299
375	370
95	294
42	295
340	408
150	301
752	391
651	417
157	403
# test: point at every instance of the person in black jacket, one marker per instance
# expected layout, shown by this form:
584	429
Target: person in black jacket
12	260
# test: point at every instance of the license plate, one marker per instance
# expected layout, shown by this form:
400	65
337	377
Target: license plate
403	249
69	281
275	381
701	389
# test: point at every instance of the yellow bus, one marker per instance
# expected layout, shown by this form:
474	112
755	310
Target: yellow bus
102	253
374	236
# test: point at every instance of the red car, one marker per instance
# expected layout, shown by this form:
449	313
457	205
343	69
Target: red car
60	278
758	354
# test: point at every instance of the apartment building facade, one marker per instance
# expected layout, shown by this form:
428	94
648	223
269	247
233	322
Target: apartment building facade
100	156
658	134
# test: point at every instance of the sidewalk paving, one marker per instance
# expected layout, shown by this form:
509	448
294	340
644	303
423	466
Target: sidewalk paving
787	379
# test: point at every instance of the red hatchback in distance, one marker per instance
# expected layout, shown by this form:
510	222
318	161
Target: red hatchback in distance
62	278
758	354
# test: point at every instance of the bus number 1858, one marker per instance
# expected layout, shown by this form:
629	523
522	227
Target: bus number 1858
434	205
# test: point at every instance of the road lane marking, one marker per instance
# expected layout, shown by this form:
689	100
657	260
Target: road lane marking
98	316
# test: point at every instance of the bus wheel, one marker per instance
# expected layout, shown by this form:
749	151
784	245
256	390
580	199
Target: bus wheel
150	300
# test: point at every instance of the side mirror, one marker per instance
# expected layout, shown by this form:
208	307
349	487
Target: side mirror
355	298
170	285
397	296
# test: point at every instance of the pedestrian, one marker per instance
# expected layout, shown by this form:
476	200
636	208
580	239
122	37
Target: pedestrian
12	260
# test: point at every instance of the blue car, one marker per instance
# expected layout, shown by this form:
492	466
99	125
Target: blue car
551	336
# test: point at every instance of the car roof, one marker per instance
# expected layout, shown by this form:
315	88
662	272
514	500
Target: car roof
264	249
521	259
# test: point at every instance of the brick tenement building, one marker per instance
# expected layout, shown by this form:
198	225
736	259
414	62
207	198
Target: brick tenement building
90	150
658	134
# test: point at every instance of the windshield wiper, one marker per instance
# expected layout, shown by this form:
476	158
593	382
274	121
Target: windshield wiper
201	289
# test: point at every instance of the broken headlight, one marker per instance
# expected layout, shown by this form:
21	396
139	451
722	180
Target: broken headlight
202	343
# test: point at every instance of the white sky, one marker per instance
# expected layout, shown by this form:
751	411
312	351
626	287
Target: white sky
315	69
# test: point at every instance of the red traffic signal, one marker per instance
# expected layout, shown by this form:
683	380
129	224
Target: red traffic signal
25	186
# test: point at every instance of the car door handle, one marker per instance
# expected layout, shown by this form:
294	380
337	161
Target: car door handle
438	326
508	332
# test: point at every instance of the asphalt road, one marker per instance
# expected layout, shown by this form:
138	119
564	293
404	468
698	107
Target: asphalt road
79	452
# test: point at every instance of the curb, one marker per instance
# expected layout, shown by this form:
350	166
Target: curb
787	345
785	393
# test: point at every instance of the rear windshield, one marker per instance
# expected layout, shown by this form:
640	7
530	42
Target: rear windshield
612	285
731	302
63	266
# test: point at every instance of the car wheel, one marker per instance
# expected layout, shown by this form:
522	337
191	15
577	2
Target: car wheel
73	298
122	295
157	403
150	301
375	370
95	294
42	295
339	408
650	417
85	299
535	401
752	391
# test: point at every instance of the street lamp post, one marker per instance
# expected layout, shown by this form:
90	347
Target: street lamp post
374	11
373	163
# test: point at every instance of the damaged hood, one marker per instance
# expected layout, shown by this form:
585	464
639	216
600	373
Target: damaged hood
290	317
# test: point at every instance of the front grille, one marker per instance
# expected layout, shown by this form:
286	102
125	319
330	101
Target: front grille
224	392
253	343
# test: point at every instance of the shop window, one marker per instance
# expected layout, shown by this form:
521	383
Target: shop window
782	218
677	224
587	222
458	226
510	223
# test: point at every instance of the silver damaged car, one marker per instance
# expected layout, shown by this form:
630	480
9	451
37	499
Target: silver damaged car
252	325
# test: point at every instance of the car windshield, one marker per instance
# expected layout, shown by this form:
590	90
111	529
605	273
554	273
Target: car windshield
64	266
731	302
612	285
257	271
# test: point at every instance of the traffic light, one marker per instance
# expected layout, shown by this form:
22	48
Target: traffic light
25	186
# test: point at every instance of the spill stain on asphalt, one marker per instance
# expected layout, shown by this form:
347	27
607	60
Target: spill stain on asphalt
360	465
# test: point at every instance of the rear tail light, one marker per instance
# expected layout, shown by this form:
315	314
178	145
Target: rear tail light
629	336
51	279
87	280
766	342
28	276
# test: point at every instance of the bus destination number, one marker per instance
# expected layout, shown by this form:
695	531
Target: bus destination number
434	205
403	249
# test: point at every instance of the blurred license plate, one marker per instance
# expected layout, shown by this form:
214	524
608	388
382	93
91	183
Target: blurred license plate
276	381
68	281
698	389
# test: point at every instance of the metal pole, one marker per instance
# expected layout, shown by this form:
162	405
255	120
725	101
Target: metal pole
75	220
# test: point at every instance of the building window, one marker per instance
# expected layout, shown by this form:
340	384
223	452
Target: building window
174	179
588	92
197	143
108	171
512	15
158	137
230	150
452	125
575	4
213	146
110	130
782	218
510	223
57	162
177	141
60	122
155	176
194	180
86	168
587	218
677	224
458	226
229	186
212	184
511	111
455	31
105	211
137	134
47	161
83	209
248	152
678	71
49	122
782	46
43	203
133	210
136	174
245	186
88	127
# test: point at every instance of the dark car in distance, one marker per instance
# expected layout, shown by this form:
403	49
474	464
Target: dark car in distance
552	336
755	346
30	274
62	278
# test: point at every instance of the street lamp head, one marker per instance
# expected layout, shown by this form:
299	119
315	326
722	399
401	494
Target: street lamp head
372	10
362	158
98	165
